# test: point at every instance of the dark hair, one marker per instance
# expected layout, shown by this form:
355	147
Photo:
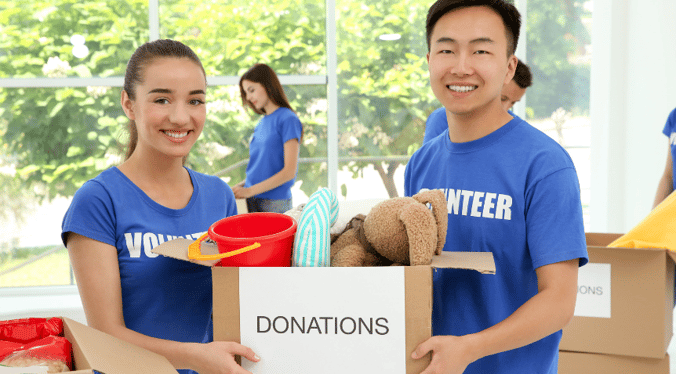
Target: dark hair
263	74
508	12
523	76
144	56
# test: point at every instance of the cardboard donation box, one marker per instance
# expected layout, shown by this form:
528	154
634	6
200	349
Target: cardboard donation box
97	352
594	363
327	320
625	301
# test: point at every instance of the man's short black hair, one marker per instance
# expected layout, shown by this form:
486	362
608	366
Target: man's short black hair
522	75
508	12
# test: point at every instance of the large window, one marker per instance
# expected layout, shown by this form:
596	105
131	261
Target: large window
384	95
354	71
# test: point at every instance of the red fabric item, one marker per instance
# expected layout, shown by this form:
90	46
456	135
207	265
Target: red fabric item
55	348
46	350
26	330
35	341
7	348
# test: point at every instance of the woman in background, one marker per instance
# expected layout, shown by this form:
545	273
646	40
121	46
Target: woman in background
274	147
117	218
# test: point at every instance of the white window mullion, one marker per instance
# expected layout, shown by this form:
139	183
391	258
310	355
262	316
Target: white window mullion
154	19
522	6
332	95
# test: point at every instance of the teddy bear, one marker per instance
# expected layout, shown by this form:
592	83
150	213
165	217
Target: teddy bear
397	231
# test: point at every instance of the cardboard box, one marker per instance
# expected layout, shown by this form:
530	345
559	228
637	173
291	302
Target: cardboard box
97	352
625	301
594	363
328	320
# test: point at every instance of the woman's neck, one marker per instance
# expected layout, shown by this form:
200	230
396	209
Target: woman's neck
270	108
157	167
164	180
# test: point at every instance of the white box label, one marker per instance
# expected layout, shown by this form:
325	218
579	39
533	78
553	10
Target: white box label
324	320
593	291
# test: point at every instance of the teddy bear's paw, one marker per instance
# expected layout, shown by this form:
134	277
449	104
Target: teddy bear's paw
349	256
421	259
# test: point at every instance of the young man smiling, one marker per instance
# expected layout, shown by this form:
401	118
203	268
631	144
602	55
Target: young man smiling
511	191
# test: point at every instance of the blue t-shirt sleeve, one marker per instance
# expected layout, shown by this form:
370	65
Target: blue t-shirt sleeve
214	189
90	214
407	178
290	128
436	124
554	220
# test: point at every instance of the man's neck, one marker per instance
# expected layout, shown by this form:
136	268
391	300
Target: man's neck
466	127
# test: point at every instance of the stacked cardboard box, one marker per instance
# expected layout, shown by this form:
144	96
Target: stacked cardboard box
595	363
623	319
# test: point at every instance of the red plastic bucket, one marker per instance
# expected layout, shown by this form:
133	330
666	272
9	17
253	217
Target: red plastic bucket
274	231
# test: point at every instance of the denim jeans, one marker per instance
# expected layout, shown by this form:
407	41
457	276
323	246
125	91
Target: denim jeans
254	204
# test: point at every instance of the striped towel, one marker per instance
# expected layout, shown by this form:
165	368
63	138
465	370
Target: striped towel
312	245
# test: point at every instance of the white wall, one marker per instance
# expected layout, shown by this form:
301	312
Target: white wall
633	90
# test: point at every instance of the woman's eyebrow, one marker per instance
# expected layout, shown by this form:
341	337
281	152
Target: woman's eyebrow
168	91
160	90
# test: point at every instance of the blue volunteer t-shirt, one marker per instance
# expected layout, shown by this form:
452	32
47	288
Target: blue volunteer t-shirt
513	193
266	151
161	297
670	132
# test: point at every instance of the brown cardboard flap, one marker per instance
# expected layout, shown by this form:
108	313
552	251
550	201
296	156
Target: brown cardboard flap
418	295
483	262
600	239
225	284
672	255
603	239
178	249
93	349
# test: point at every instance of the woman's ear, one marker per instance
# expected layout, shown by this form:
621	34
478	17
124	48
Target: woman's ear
127	105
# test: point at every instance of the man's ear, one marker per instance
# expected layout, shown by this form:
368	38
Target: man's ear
127	105
512	61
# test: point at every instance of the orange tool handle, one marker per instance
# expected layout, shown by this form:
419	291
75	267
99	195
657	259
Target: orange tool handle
195	252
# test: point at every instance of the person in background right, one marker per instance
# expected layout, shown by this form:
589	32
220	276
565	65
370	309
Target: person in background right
512	93
667	182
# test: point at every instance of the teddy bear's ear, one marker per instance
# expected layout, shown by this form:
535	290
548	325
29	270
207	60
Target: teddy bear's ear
421	233
437	200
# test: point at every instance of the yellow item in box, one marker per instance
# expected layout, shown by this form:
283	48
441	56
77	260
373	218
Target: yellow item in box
657	230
